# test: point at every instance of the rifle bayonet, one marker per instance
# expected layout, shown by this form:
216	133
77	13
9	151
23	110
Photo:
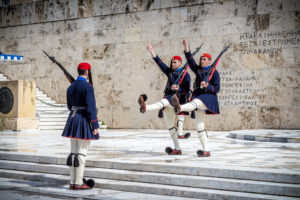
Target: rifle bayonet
67	74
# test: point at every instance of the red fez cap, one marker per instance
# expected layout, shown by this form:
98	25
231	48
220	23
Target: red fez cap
176	58
207	55
85	66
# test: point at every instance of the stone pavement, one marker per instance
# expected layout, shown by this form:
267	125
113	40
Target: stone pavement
147	147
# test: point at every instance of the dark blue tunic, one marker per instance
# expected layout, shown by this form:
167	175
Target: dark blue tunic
184	87
209	95
81	94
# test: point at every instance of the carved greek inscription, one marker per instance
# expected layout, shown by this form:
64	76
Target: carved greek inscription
268	42
240	89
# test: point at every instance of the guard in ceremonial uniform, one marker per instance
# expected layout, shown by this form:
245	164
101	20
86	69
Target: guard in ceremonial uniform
81	127
182	90
204	97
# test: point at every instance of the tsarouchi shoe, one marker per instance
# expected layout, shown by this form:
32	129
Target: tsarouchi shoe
185	136
141	101
201	153
171	151
82	187
71	187
176	103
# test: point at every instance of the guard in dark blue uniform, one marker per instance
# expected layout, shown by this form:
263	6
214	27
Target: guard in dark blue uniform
82	125
204	98
182	89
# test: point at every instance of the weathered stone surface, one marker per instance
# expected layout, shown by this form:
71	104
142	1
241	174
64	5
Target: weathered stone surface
259	73
244	8
85	8
269	6
282	21
132	34
290	5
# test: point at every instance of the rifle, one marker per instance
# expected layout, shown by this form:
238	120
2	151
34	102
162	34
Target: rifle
185	67
212	68
67	74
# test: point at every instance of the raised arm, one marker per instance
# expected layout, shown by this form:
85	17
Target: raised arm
150	49
164	68
186	46
189	57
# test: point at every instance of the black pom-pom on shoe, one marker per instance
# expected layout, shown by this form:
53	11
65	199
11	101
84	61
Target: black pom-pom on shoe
187	135
144	97
90	183
168	150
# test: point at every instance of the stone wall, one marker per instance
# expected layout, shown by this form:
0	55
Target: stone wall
259	73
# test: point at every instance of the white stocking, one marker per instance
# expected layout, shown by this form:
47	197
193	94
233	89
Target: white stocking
82	151
74	145
180	120
170	118
200	129
158	105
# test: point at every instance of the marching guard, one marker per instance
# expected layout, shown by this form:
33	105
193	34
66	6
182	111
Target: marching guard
204	97
181	90
81	127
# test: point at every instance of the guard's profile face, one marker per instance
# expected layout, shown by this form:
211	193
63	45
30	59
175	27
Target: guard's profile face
175	64
205	61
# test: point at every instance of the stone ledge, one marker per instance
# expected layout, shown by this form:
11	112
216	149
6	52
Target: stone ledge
283	136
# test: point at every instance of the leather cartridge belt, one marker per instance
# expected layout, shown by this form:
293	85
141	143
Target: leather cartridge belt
75	108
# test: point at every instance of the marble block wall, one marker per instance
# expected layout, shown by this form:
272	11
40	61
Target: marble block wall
259	73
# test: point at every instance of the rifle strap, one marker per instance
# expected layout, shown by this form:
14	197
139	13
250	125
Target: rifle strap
183	74
213	71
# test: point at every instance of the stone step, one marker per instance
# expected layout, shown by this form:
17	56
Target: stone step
131	186
52	105
54	116
42	190
52	113
165	179
52	127
52	123
37	102
276	176
53	119
37	91
102	126
40	95
44	99
50	108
